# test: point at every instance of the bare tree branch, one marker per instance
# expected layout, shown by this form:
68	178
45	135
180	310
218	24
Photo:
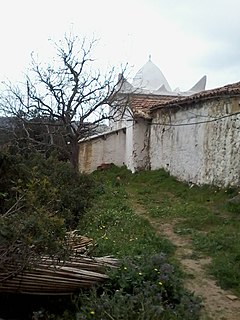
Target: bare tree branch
66	99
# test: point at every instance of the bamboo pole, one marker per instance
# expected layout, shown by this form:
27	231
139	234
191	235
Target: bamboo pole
52	277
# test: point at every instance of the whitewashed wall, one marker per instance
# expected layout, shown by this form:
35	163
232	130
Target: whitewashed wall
140	145
127	146
204	153
105	148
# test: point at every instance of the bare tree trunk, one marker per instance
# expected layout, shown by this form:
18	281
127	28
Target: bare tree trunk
74	155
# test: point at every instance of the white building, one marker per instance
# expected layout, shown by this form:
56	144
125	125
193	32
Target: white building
195	135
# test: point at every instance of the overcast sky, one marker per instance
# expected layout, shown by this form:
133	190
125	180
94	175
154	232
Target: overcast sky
186	38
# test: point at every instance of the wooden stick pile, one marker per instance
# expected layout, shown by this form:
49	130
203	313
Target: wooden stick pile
51	277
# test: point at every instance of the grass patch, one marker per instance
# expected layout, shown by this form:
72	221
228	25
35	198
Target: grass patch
206	214
148	285
113	225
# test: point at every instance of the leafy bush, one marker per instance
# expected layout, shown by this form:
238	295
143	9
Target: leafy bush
27	236
44	183
145	288
40	200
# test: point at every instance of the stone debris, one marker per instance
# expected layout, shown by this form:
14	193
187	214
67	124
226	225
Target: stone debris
232	297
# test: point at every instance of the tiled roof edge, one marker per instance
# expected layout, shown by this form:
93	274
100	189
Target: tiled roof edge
228	90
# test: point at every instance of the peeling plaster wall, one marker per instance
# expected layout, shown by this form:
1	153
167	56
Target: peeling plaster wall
140	145
137	146
205	153
129	147
105	148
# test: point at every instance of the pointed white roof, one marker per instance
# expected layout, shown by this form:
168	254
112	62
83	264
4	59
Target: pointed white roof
150	77
200	85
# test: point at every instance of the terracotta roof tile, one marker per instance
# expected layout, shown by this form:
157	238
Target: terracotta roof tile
142	103
228	90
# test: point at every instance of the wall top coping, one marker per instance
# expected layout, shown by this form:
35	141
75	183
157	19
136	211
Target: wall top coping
102	135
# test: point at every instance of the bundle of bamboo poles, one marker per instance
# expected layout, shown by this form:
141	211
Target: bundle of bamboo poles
51	277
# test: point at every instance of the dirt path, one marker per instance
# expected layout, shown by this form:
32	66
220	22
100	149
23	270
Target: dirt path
218	304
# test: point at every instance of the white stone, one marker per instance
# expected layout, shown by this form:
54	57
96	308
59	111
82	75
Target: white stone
232	297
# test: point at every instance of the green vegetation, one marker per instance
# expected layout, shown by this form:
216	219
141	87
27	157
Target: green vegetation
205	213
36	207
148	283
143	288
114	226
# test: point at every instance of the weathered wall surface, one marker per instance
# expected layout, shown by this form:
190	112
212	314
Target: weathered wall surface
140	145
194	146
127	146
104	148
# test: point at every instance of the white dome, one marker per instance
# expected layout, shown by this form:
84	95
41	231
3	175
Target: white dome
150	77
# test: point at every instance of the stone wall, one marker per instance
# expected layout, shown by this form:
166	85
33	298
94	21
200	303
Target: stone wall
198	143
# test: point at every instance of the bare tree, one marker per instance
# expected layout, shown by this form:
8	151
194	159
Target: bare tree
67	99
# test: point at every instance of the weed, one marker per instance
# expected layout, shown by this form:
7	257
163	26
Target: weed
142	288
115	228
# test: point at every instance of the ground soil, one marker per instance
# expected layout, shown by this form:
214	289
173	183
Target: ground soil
218	304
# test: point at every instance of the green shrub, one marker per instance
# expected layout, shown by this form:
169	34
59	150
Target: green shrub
44	183
27	236
145	288
40	200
